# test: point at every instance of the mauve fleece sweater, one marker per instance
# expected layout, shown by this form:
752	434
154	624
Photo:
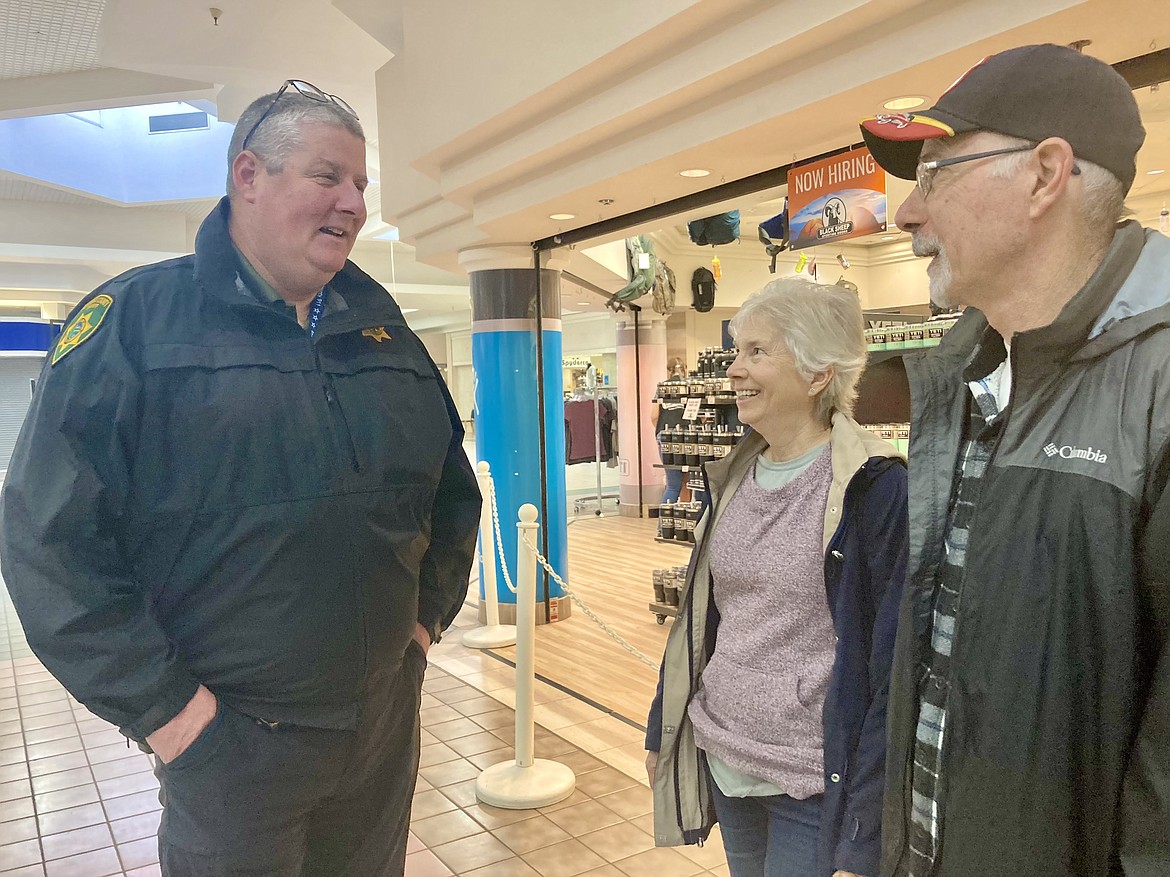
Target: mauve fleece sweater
761	698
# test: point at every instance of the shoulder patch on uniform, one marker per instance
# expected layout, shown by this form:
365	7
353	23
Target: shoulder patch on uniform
82	326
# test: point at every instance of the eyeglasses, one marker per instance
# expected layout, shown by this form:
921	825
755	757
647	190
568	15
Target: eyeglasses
306	89
926	170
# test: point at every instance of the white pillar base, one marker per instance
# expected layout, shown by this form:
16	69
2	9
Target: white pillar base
512	787
492	636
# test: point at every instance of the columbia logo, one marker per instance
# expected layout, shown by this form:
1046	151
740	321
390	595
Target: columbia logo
1068	452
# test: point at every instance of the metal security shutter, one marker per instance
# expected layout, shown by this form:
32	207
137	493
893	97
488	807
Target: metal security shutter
16	376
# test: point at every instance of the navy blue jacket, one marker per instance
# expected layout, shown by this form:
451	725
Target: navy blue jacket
203	493
865	565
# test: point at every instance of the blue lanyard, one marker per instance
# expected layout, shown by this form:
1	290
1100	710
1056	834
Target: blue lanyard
316	311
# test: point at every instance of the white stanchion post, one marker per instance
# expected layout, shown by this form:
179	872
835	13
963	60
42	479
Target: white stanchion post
528	782
493	635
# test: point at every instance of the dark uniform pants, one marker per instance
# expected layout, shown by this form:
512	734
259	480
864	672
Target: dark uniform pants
249	799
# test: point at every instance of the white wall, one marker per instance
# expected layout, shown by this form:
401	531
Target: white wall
436	345
586	334
898	282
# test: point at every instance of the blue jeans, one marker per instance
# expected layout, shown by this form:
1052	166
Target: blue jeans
775	836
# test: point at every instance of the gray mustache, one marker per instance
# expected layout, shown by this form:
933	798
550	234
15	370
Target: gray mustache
924	246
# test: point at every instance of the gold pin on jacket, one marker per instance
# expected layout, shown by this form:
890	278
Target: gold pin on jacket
378	333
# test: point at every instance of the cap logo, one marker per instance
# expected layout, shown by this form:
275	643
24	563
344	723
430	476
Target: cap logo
900	120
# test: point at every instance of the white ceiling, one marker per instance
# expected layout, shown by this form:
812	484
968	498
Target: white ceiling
53	36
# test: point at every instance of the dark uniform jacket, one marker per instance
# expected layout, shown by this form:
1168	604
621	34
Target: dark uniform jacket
1056	759
202	494
865	563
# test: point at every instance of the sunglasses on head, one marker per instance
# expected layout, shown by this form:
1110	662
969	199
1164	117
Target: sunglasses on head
305	89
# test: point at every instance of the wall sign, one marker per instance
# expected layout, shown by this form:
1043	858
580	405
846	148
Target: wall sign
836	199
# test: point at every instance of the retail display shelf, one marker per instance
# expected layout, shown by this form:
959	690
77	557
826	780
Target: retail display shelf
876	356
674	542
715	400
664	611
680	468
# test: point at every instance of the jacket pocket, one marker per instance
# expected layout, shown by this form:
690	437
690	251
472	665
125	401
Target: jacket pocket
202	747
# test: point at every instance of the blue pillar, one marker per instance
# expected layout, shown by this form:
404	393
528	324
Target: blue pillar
507	436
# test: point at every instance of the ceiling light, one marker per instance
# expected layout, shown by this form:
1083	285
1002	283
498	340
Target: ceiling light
1151	173
888	237
582	304
908	102
695	172
560	216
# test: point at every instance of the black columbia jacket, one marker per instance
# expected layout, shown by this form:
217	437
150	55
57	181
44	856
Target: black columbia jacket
201	493
1057	746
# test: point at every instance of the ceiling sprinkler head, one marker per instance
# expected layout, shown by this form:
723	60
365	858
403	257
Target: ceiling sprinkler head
605	202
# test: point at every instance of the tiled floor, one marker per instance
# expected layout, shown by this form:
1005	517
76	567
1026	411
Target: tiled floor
75	801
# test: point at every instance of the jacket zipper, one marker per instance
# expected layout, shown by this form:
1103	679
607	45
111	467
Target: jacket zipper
1007	415
339	426
908	762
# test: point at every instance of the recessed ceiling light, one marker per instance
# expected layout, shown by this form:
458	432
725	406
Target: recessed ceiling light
1151	173
907	102
582	304
560	216
695	172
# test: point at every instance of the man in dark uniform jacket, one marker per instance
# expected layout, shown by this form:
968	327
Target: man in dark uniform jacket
239	513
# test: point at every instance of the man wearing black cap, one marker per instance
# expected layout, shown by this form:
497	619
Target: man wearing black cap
1030	702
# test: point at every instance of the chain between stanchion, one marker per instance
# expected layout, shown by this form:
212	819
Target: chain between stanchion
499	539
556	578
589	612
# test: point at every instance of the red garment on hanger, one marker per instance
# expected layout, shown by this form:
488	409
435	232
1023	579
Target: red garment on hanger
580	436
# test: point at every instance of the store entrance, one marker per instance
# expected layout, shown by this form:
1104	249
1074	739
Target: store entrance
629	570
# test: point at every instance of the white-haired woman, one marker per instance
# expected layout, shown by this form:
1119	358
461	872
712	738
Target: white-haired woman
770	714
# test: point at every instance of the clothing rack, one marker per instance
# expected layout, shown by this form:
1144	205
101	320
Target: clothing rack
593	391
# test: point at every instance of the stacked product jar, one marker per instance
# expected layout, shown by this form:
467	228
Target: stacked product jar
678	520
908	336
668	583
897	434
692	445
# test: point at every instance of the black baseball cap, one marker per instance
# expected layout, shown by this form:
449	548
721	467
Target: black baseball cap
1031	92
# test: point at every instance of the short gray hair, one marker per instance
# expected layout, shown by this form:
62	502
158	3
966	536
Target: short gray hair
280	134
821	327
1104	200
